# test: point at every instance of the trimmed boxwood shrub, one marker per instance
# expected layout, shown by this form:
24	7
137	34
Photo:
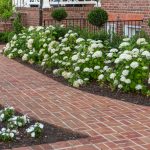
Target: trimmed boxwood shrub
59	14
97	17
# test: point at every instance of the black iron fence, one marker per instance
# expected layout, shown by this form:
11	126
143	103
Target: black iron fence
122	27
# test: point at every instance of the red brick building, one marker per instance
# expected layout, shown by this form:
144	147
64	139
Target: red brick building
128	10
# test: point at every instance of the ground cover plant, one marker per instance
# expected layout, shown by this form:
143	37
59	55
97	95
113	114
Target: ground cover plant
81	61
17	130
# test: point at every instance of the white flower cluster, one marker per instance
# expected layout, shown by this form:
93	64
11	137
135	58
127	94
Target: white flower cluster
18	121
35	130
6	113
14	123
7	134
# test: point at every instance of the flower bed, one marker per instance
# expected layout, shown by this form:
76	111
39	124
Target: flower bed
18	130
83	61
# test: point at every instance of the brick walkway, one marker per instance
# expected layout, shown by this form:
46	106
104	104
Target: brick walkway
111	124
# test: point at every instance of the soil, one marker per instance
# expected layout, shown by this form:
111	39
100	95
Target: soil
95	88
2	43
51	134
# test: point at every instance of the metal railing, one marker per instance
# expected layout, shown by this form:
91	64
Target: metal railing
122	27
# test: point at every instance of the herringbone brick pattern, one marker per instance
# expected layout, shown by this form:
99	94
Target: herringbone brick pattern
111	124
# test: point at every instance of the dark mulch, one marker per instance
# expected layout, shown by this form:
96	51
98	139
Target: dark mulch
51	134
2	43
94	88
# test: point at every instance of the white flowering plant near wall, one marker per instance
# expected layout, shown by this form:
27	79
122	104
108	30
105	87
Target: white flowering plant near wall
82	61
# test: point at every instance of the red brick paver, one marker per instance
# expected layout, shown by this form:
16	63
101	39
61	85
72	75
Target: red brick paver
111	124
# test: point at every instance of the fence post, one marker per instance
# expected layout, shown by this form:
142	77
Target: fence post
119	27
41	13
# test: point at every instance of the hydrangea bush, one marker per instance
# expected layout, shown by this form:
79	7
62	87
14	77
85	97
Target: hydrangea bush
81	61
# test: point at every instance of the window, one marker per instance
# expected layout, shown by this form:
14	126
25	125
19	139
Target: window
131	30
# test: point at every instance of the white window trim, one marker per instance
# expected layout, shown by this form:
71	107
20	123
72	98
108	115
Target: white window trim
127	27
110	26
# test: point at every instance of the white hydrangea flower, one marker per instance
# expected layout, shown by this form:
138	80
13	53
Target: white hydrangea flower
77	83
124	44
134	64
116	82
112	75
30	28
100	77
110	55
97	67
141	41
127	81
79	40
30	41
30	129
67	75
123	79
45	45
55	71
125	72
106	68
33	134
64	40
75	57
62	53
86	69
41	125
113	50
149	80
125	57
12	135
120	86
145	68
86	79
43	63
2	116
25	57
20	51
126	39
10	56
97	54
117	60
77	69
146	54
138	87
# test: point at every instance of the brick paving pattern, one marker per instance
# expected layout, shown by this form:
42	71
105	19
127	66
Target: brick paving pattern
111	124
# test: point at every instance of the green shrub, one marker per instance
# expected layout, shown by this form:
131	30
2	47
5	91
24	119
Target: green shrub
115	40
6	9
6	37
97	17
59	14
60	32
17	24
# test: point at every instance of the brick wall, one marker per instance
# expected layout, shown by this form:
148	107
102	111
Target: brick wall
129	9
73	12
5	26
31	15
